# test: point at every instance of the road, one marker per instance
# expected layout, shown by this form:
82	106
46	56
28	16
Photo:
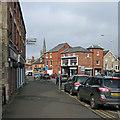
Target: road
42	99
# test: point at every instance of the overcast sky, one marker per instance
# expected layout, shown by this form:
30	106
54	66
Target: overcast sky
77	23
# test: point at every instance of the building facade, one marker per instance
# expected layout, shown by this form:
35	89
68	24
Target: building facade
53	59
38	65
110	63
13	48
76	60
97	59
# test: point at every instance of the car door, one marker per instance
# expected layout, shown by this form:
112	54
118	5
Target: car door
68	83
87	87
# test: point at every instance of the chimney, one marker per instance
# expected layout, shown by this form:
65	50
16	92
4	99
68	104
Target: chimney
32	57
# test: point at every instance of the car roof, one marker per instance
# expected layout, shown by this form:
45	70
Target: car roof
105	77
81	75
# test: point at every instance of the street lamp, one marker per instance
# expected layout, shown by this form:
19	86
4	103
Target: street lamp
112	52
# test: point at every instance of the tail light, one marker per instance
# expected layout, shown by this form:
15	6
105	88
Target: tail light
61	76
116	78
103	89
102	99
77	83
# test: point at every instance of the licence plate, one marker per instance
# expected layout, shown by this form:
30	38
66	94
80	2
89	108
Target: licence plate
65	77
115	94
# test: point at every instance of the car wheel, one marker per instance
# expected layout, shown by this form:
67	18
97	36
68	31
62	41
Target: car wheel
78	96
92	103
71	91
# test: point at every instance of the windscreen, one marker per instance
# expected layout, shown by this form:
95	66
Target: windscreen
112	83
81	79
64	75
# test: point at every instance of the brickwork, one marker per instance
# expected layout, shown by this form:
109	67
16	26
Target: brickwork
56	59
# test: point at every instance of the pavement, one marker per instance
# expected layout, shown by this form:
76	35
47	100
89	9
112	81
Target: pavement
42	99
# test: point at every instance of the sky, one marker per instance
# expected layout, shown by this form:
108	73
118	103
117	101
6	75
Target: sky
77	23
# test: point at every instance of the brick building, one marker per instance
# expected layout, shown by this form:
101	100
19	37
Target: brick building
53	58
38	65
13	34
97	59
76	60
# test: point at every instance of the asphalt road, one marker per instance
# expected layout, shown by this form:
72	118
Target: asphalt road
42	99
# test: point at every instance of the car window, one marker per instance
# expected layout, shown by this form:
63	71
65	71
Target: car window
112	83
98	81
89	81
70	78
64	75
74	78
81	79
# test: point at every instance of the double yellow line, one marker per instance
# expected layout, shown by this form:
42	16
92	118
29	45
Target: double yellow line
101	113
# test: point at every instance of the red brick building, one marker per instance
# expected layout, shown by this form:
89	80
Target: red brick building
97	59
13	53
76	60
53	58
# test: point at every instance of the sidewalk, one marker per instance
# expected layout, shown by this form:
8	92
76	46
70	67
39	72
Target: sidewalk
42	99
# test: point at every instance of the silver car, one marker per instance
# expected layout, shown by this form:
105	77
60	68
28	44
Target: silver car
74	82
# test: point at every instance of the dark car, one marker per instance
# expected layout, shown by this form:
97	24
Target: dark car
36	76
74	82
62	77
53	75
100	91
46	76
117	75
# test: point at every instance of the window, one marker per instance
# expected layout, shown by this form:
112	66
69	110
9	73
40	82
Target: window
15	7
112	65
68	54
46	55
88	55
40	66
97	53
50	55
50	63
46	63
116	67
73	54
97	62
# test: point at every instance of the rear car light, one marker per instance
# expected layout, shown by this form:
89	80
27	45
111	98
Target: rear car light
103	89
61	76
102	99
116	78
77	83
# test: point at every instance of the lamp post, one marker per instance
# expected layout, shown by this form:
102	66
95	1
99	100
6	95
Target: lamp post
112	52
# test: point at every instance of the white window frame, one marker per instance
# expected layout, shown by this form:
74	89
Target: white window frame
98	53
88	55
46	63
46	55
50	63
50	55
98	62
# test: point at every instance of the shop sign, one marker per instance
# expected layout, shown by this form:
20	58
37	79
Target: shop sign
13	55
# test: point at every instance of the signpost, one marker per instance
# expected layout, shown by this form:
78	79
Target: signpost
31	41
59	78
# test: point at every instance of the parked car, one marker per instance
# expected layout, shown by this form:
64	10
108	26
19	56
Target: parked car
53	75
74	82
46	76
36	75
117	75
63	78
100	91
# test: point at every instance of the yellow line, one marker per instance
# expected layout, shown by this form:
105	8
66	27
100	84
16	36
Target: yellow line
109	114
98	111
103	113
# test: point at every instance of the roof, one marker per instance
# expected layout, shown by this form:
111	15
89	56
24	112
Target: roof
95	47
56	48
38	61
105	52
75	49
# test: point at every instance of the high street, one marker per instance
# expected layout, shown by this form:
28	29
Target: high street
42	99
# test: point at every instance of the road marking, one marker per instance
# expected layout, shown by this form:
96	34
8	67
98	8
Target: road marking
101	113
